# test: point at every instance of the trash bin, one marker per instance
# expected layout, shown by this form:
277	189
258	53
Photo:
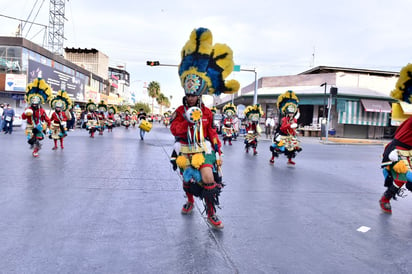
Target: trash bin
332	132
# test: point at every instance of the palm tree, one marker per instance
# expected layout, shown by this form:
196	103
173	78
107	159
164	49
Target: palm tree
161	99
154	91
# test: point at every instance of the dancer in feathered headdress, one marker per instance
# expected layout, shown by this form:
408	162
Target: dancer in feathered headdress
38	92
285	138
253	130
166	118
60	103
110	118
397	160
101	116
203	70
92	119
227	130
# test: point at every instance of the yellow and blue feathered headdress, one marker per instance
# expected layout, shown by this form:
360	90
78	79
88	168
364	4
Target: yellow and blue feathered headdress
90	105
102	106
204	66
403	88
61	100
229	109
112	109
255	110
288	102
38	92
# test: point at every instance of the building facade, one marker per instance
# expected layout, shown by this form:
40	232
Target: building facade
347	102
85	77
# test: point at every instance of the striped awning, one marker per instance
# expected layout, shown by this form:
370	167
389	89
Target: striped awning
376	105
355	114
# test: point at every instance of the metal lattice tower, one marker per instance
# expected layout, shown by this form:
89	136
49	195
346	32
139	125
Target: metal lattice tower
56	26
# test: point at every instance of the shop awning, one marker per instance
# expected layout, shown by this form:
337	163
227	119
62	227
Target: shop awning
354	114
376	105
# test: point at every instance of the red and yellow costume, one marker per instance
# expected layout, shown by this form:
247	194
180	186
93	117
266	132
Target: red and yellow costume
60	103
111	118
227	129
126	119
253	130
197	148
101	116
285	140
92	119
397	156
37	93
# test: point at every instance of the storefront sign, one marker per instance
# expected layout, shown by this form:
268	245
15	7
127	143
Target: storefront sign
16	82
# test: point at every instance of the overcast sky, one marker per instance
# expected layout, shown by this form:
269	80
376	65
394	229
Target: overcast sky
274	37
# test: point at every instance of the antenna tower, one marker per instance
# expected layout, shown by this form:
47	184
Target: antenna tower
56	26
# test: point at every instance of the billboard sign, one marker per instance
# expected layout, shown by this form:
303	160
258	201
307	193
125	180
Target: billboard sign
58	80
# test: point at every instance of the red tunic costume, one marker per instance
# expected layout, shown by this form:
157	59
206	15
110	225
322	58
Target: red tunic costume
37	123
180	125
58	127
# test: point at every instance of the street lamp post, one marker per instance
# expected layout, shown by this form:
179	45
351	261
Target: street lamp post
323	129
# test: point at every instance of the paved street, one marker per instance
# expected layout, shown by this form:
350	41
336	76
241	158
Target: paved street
112	205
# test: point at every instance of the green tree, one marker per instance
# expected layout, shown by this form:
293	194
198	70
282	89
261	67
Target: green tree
162	100
144	106
153	90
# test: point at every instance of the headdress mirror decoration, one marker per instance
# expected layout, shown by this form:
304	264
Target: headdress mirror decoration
253	113
288	102
38	92
90	106
204	66
61	100
229	109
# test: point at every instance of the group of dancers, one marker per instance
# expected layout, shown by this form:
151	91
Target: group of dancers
99	116
285	139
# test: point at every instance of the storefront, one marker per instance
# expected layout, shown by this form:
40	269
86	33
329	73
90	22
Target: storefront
364	118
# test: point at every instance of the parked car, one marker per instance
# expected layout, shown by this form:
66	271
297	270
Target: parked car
17	122
217	122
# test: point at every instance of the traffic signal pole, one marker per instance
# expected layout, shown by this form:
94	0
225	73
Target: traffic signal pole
256	84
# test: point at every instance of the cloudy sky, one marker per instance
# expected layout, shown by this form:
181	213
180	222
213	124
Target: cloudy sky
273	37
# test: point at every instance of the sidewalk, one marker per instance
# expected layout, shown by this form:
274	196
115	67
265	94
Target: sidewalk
337	140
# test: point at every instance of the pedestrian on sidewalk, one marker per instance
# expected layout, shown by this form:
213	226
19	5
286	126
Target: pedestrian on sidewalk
197	149
269	126
8	117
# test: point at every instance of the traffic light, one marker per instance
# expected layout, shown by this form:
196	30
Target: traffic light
152	63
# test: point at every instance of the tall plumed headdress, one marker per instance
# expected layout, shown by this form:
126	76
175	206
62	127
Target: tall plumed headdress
112	109
403	88
61	100
213	109
90	105
102	106
229	109
254	112
288	102
38	92
204	66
